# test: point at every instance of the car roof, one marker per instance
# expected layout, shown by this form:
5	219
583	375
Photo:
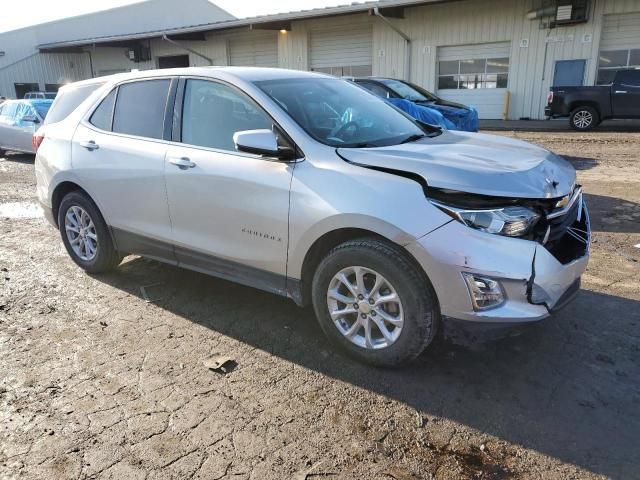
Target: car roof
251	74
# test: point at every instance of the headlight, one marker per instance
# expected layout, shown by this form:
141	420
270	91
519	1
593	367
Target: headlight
507	221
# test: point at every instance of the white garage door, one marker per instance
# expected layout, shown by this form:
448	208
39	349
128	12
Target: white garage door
619	45
342	51
475	75
256	49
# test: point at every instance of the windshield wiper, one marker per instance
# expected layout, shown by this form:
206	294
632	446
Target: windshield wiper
413	138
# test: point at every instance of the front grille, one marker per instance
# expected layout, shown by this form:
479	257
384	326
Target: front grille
569	235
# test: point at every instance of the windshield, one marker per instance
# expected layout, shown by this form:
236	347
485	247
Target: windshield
408	92
339	113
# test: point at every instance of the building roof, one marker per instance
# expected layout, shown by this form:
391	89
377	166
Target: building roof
277	20
156	15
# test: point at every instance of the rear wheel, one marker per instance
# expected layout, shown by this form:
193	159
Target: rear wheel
584	118
374	303
86	235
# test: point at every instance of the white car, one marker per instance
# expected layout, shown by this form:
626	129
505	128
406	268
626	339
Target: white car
309	187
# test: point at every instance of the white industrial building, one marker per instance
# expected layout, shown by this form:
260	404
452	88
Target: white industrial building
498	55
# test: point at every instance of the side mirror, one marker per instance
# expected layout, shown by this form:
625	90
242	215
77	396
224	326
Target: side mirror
260	142
30	118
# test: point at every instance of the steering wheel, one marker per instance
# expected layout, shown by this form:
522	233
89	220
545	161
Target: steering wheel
345	128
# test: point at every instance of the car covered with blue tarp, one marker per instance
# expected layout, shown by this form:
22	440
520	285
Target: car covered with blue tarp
401	93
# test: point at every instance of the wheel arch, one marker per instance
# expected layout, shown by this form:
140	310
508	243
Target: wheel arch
585	103
60	191
331	239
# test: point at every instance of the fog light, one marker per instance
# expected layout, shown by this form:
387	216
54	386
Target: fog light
485	292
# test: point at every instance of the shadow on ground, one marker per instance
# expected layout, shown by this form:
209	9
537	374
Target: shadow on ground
567	388
611	214
581	163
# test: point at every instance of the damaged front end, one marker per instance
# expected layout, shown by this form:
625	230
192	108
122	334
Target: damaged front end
504	262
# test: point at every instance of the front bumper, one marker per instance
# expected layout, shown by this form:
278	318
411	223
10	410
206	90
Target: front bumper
48	214
535	280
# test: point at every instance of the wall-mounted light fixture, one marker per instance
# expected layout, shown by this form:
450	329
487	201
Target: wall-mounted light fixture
283	31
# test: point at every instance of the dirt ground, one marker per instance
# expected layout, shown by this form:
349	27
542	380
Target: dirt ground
96	382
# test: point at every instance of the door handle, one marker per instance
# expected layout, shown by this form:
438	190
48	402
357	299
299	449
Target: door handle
182	162
90	145
621	91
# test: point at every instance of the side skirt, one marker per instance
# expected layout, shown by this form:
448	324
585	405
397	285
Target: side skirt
200	262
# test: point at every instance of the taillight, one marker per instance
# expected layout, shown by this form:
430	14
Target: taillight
36	141
549	98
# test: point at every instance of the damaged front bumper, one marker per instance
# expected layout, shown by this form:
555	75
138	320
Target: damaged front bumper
535	279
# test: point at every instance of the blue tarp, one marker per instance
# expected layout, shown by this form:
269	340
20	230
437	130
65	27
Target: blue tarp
463	118
449	118
424	114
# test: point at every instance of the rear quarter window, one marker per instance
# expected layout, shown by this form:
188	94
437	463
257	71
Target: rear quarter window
68	100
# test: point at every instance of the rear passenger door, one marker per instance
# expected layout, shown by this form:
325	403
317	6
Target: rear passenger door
229	210
118	154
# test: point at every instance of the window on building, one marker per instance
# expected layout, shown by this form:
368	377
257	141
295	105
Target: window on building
140	108
473	73
347	71
611	61
102	116
212	112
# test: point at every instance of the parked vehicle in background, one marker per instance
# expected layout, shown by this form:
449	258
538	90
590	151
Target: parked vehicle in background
586	107
19	120
402	94
43	95
307	186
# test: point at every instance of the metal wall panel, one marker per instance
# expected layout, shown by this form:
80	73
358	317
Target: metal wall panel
259	49
620	31
337	47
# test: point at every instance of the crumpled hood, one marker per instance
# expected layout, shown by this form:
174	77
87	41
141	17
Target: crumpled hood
475	163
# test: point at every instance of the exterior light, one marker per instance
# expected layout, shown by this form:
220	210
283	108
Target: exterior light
485	292
283	31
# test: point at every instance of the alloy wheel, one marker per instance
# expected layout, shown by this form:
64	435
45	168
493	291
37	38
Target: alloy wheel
365	307
81	233
583	119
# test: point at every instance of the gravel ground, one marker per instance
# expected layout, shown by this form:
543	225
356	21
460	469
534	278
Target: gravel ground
96	382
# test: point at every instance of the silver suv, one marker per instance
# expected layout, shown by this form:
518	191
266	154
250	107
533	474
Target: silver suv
310	187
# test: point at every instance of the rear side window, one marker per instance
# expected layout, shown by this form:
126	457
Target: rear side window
140	108
103	115
68	100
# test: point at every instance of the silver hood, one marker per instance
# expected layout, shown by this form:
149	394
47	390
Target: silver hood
475	163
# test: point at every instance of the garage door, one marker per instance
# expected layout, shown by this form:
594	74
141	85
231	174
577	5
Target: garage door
256	49
342	51
475	75
619	45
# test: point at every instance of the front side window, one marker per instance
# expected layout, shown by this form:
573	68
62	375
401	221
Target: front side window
140	108
339	113
212	112
473	73
612	61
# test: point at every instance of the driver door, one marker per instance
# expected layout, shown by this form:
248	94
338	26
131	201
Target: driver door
229	210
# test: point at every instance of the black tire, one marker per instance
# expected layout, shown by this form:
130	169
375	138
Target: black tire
419	302
106	257
584	119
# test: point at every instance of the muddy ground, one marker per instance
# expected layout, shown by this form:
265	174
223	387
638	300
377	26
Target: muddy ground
96	382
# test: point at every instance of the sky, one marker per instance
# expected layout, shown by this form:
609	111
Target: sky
14	15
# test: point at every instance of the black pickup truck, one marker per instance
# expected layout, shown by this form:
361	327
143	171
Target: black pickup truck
586	107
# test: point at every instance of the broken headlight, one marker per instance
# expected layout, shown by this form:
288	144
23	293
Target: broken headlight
513	221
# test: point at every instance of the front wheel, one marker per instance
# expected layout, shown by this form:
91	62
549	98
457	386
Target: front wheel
374	303
584	118
86	235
